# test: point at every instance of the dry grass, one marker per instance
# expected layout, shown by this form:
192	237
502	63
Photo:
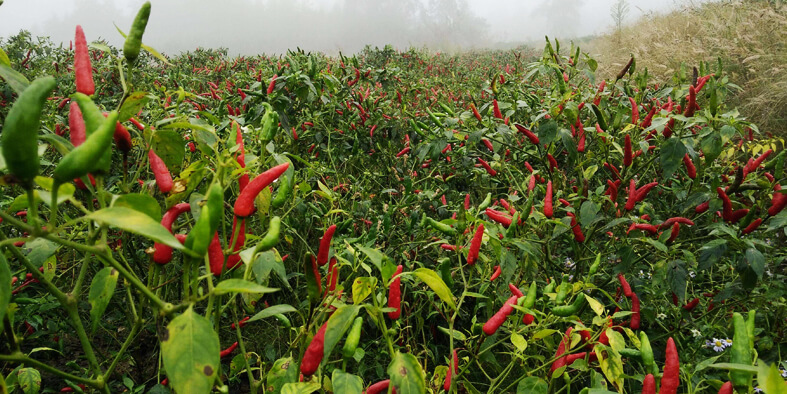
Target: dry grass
749	36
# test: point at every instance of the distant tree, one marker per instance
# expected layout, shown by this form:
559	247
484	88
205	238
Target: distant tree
618	13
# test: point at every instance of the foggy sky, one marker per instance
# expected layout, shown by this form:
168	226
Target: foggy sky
272	26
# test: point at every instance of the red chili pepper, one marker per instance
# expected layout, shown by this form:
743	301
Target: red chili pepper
560	358
82	67
76	124
632	199
333	275
497	320
612	190
581	143
530	135
244	205
548	211
325	245
136	124
678	219
475	245
272	85
778	202
692	304
564	202
552	162
380	388
670	379
726	388
226	352
403	152
571	358
515	290
648	118
496	110
691	105
613	169
395	295
496	274
627	158
635	317
644	190
752	226
690	169
625	285
578	235
475	112
313	355
758	161
216	255
644	227
702	207
634	111
488	144
122	138
160	171
486	166
241	322
453	368
674	299
467	201
674	234
649	385
531	183
162	253
726	204
316	273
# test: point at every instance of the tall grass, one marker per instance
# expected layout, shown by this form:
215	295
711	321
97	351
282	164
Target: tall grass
750	37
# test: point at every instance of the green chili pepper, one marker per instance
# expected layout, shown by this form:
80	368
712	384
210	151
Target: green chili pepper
550	287
20	130
594	267
353	337
740	354
568	310
434	118
94	118
416	128
486	202
630	353
562	290
202	233
441	227
86	157
270	124
447	109
134	39
282	194
646	353
530	298
271	238
283	320
602	122
771	164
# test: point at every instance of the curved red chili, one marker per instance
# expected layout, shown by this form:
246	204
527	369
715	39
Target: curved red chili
314	352
497	320
325	245
548	211
627	157
670	379
160	171
395	294
475	244
244	205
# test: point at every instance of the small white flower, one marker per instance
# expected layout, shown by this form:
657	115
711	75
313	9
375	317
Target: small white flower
696	333
661	316
718	345
727	342
568	263
758	390
784	373
570	278
768	272
692	274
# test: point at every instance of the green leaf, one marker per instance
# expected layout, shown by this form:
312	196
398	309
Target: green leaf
519	341
711	146
735	367
155	54
676	277
595	305
5	285
436	284
344	382
284	371
588	213
338	324
190	350
547	132
132	104
40	250
406	374
756	261
374	255
168	144
710	253
532	385
101	290
136	222
672	152
300	388
15	80
769	378
241	286
140	202
362	287
272	310
29	380
4	58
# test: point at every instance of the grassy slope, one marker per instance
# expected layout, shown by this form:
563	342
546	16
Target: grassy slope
749	36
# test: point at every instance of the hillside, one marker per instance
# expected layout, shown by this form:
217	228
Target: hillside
748	36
